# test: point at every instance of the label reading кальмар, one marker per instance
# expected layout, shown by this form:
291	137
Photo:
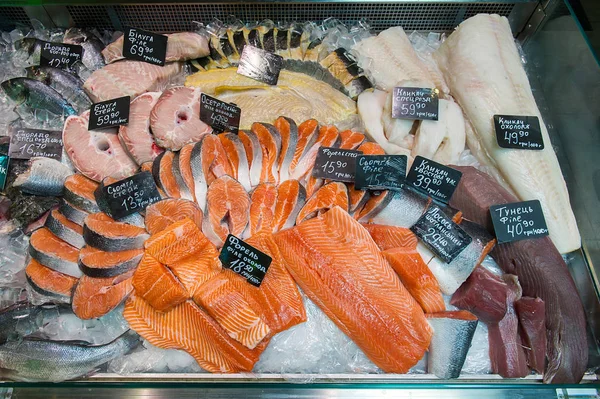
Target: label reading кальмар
131	195
245	260
142	45
336	164
433	179
380	172
520	132
518	221
30	143
110	113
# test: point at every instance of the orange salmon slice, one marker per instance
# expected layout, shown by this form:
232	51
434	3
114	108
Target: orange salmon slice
262	209
48	282
162	214
389	237
291	197
95	297
175	243
328	196
270	141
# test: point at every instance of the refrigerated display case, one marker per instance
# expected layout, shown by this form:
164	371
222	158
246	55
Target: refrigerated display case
564	72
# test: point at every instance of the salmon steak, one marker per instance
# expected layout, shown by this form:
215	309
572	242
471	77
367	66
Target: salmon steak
72	212
291	197
54	253
262	209
350	140
102	232
270	143
182	169
155	283
162	214
288	131
48	282
63	228
253	154
338	265
330	195
94	297
97	263
307	136
136	135
175	243
162	170
79	191
236	155
390	237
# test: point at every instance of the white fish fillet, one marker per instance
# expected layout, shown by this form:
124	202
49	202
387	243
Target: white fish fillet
482	66
136	136
389	58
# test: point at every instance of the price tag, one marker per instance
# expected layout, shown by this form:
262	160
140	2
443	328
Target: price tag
518	221
260	65
219	115
59	55
109	113
441	234
380	172
433	179
522	132
3	170
29	143
415	103
131	195
142	45
245	260
336	164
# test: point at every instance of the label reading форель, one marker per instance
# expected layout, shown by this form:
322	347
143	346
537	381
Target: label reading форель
221	116
245	260
59	55
4	159
142	45
518	221
336	164
415	103
131	195
521	132
109	113
440	234
29	143
433	179
380	172
260	65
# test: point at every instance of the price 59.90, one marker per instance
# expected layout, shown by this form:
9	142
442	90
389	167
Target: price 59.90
411	109
104	119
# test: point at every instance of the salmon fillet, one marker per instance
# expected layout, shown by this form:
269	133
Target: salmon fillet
155	283
291	197
417	278
197	269
175	243
189	328
49	282
328	196
351	140
95	297
262	209
162	214
389	237
338	265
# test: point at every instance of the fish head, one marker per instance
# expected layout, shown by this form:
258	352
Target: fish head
26	44
14	89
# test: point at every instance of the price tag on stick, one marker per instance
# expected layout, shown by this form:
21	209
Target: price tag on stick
380	172
433	179
518	221
336	164
131	195
29	143
415	103
219	115
521	132
59	55
142	45
245	260
109	113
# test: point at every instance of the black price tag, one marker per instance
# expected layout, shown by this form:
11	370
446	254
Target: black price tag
59	55
131	195
441	234
142	45
221	116
109	113
245	260
29	143
522	132
260	65
433	179
336	164
518	221
3	170
380	172
415	103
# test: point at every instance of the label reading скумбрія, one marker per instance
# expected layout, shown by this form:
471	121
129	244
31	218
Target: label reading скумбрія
433	179
444	237
336	164
415	103
380	172
521	132
4	159
518	221
131	195
29	143
59	55
142	45
221	116
245	260
109	113
260	65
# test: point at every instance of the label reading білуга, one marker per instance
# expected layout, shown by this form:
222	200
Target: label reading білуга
380	172
4	159
131	195
221	116
142	45
30	143
336	164
109	113
415	103
245	260
433	179
440	234
260	65
518	221
59	55
521	132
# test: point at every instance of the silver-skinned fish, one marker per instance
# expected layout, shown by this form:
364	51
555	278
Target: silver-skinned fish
45	176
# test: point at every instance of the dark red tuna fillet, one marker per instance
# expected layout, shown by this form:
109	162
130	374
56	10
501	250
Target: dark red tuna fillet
532	319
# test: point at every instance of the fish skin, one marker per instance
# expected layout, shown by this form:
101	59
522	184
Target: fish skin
92	47
532	323
200	180
93	263
131	237
452	336
253	155
373	205
44	247
236	153
155	283
71	212
289	138
55	361
286	211
404	209
79	191
48	282
68	85
185	169
95	297
166	177
36	95
270	142
24	318
540	267
44	176
63	228
162	214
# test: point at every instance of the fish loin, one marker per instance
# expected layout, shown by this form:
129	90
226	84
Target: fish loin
253	155
155	283
136	135
291	197
96	154
102	232
54	253
63	228
162	214
329	196
175	243
289	138
532	323
262	209
48	282
94	297
79	191
45	176
96	263
491	63
270	142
